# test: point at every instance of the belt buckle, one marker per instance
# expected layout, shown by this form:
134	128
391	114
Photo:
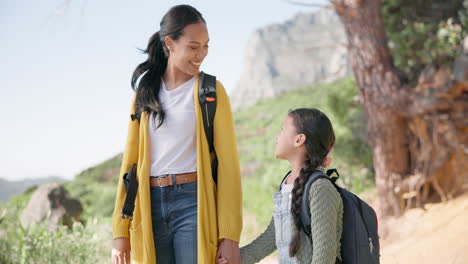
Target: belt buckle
159	181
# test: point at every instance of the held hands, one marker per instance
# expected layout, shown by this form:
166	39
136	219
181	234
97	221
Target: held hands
228	252
121	251
221	260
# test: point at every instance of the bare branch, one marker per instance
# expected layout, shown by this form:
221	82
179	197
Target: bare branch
304	4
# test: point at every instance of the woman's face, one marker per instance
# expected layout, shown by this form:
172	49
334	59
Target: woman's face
187	53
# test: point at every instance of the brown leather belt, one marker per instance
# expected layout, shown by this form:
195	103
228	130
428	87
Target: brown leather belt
166	179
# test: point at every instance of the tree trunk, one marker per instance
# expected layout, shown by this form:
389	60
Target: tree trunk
402	123
373	70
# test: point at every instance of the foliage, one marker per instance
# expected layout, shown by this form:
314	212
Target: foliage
423	32
37	244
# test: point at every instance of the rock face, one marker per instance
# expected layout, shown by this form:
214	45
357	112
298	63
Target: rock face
306	50
51	203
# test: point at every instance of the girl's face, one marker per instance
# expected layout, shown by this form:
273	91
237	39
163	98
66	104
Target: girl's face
188	52
288	140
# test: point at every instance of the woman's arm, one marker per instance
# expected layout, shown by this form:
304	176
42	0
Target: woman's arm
229	190
120	226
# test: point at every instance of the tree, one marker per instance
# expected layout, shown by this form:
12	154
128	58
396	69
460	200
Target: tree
416	126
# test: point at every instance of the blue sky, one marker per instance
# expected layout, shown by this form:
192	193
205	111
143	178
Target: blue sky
65	73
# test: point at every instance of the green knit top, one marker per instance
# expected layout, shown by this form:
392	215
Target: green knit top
323	247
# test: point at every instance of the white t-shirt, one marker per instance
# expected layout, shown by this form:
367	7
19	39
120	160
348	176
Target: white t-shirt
173	144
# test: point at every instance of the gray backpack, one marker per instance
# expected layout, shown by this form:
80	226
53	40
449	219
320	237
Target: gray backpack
359	240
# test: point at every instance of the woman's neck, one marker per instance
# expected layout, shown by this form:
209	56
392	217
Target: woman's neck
174	78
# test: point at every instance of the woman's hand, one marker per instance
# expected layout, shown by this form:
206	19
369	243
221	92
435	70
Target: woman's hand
228	252
221	260
121	250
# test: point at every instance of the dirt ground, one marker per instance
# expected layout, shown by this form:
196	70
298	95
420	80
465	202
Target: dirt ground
438	234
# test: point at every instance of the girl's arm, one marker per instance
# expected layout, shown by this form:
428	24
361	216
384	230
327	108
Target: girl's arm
325	204
261	247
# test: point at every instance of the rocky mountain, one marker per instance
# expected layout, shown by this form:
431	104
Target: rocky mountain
308	49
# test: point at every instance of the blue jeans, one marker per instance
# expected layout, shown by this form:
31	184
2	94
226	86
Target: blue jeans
174	214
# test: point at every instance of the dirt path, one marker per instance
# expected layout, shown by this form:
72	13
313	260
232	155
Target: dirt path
437	235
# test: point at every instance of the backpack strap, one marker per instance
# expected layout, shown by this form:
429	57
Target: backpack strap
305	207
207	97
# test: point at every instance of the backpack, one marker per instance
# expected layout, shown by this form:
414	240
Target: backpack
359	240
207	99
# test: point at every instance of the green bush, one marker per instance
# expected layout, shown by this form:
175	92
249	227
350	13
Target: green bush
36	244
423	32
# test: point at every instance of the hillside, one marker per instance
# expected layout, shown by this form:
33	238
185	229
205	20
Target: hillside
10	188
96	187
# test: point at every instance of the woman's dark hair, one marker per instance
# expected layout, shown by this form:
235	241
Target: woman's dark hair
320	138
151	71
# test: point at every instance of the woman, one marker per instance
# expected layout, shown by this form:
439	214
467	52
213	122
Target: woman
181	215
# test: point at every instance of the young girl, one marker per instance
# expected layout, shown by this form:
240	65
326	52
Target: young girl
305	141
181	215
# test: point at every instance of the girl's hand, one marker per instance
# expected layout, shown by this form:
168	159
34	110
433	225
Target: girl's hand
121	250
326	162
221	260
229	250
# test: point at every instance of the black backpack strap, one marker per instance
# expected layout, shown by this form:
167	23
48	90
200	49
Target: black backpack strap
207	97
333	178
135	116
131	185
305	207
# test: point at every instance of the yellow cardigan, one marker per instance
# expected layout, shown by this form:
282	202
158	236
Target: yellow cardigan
219	205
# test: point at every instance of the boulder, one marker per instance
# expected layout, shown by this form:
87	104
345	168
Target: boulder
52	204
